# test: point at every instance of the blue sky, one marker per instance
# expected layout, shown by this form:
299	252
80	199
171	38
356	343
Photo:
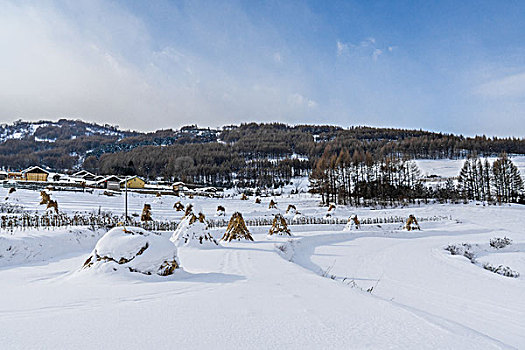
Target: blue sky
445	66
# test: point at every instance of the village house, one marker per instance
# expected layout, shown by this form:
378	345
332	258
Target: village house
111	182
134	182
35	173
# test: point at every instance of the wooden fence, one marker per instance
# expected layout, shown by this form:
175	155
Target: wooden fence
11	222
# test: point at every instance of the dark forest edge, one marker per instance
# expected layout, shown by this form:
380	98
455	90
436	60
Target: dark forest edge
246	155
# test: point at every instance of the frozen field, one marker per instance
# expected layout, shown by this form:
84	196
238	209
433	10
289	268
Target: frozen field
379	287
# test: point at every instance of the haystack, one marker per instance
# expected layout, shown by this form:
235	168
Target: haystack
11	190
257	200
244	197
178	206
146	213
272	205
135	250
189	210
332	207
412	224
221	211
52	206
236	229
45	198
158	194
353	223
291	209
279	226
193	230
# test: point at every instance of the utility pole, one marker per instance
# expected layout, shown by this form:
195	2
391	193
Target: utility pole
126	200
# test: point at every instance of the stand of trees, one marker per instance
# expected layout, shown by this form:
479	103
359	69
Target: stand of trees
362	179
500	182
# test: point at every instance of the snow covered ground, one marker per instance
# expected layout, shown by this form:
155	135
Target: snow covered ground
378	287
451	167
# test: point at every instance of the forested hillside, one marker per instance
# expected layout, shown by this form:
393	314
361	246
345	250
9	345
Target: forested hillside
252	154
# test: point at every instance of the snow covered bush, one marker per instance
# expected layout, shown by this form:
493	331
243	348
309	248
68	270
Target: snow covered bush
501	270
464	249
135	250
499	243
193	231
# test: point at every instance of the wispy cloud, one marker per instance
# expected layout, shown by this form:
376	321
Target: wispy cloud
365	48
511	86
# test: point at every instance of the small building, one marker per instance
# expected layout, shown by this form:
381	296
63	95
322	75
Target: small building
15	175
111	182
133	182
35	173
85	175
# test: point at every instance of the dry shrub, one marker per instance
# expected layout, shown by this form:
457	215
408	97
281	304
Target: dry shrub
244	197
272	205
178	206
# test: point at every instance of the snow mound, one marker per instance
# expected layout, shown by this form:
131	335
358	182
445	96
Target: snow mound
135	250
193	231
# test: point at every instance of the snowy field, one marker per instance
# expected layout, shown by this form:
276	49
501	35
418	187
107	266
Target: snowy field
451	167
377	287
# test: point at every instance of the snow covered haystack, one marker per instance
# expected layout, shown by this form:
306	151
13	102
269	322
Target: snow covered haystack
412	224
221	211
353	223
193	231
279	227
237	229
331	210
292	209
135	250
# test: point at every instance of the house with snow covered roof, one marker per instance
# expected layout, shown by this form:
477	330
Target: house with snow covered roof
35	173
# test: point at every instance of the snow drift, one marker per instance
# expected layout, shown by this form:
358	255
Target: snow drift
135	250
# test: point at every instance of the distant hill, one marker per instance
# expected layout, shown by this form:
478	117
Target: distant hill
246	154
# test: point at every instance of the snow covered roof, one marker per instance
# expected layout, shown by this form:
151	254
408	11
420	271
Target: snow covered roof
35	169
110	178
131	178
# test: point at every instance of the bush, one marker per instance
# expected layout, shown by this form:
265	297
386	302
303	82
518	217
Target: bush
499	243
501	270
463	249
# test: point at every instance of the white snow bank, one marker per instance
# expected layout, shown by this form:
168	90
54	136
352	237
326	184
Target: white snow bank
43	245
133	249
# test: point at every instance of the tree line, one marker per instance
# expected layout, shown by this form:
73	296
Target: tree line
361	179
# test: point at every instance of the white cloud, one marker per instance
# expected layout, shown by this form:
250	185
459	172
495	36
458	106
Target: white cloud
366	48
102	64
512	86
298	100
342	48
376	53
